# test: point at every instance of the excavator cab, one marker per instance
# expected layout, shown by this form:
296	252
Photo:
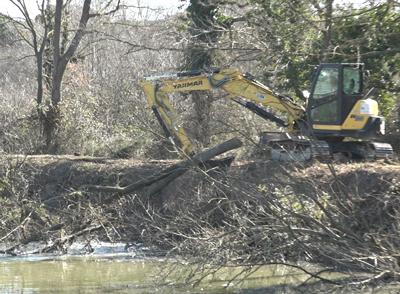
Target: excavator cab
337	106
334	92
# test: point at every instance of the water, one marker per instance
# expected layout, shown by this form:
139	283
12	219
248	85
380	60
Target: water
111	269
104	274
108	269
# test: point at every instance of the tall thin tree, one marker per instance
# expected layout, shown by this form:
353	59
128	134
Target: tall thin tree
50	115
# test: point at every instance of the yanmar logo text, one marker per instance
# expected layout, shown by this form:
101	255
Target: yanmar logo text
186	85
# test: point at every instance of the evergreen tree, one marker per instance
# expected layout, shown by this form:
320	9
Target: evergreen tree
203	34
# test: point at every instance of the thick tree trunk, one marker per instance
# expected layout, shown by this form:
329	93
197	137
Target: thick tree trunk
327	31
166	176
50	123
202	108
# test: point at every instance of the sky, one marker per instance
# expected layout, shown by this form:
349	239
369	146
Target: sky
6	7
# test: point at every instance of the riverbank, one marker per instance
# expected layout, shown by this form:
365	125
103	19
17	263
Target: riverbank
341	216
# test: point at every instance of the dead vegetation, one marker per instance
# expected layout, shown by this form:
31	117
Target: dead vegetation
344	217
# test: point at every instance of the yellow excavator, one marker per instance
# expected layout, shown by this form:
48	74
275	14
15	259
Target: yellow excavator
338	117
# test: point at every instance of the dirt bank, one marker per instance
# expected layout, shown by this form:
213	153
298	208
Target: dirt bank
41	198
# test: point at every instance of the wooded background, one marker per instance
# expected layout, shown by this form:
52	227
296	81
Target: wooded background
69	75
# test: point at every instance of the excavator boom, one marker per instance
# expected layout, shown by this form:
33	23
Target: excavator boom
236	83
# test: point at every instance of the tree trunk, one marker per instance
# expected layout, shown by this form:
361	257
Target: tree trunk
166	176
52	116
39	61
50	123
327	31
202	108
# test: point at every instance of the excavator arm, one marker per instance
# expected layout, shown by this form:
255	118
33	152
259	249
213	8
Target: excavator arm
241	87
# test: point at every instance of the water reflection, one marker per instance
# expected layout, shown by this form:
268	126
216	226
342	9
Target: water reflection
112	269
73	275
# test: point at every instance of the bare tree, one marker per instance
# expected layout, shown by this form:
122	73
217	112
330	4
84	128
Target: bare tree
37	37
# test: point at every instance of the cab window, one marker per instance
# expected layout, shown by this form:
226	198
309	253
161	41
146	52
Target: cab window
351	81
327	83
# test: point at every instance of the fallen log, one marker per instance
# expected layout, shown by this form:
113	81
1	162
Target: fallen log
167	175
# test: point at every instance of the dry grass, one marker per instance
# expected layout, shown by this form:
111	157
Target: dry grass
344	216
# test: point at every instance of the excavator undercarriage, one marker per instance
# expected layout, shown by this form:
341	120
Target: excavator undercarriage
287	147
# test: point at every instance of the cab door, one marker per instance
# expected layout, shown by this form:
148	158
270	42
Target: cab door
324	101
352	88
